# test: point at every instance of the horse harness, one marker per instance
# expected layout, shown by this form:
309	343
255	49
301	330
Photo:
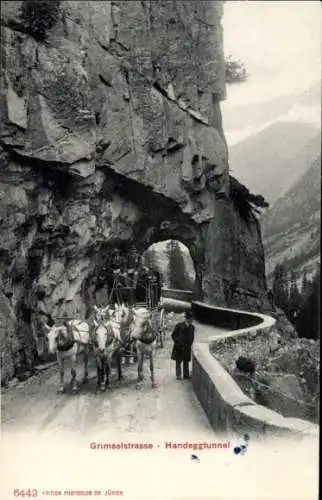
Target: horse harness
66	346
149	339
67	343
126	343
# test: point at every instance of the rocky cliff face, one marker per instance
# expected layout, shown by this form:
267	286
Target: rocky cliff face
110	134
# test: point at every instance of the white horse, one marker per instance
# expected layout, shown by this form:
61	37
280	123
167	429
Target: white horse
123	315
69	345
141	331
106	340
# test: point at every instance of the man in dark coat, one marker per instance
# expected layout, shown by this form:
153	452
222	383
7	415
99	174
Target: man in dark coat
183	337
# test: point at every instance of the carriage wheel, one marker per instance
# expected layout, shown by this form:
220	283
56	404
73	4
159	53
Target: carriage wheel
162	328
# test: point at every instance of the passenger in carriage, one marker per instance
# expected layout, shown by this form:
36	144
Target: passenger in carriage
118	262
140	290
155	286
158	286
118	265
151	274
134	264
134	259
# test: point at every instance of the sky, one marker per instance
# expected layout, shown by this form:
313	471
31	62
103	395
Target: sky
279	43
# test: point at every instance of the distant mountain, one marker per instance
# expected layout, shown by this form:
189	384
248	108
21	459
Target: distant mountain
252	114
271	161
291	228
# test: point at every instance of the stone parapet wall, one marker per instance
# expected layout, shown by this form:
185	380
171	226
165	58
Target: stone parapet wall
171	293
226	406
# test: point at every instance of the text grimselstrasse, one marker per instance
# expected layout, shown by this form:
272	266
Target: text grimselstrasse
169	445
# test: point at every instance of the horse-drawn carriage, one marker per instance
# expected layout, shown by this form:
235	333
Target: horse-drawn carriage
140	288
122	330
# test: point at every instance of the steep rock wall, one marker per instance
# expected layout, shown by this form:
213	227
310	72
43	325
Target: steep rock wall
235	275
111	133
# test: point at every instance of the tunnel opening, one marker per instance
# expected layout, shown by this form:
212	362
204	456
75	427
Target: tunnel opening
172	259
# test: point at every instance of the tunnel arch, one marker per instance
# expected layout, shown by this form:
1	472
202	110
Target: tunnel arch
183	229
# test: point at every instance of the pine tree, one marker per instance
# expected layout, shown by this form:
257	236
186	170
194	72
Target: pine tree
280	287
295	299
308	321
235	70
178	278
316	284
171	264
306	287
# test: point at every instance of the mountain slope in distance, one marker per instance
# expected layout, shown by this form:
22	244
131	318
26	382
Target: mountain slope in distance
271	161
246	115
291	228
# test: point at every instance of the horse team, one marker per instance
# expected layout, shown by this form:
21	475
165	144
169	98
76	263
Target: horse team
114	332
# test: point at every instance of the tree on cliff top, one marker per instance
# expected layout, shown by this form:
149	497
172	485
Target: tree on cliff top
246	203
235	71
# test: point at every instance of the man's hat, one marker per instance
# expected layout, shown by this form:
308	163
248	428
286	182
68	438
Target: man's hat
188	315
